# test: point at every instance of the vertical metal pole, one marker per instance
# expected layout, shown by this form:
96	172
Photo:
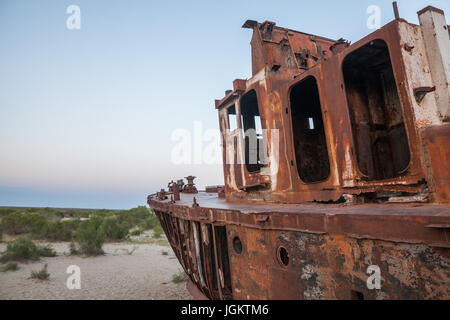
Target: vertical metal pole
176	192
396	14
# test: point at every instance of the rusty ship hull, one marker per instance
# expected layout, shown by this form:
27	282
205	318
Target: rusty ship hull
354	171
328	249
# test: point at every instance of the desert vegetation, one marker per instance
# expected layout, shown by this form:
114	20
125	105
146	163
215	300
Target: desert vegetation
129	243
10	266
180	276
23	250
41	274
87	230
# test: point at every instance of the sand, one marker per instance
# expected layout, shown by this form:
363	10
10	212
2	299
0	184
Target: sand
142	274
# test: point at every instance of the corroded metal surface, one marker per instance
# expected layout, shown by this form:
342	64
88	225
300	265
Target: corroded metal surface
396	222
350	171
347	134
332	267
329	248
438	142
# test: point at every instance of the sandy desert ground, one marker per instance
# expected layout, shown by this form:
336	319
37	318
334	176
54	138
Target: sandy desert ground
126	271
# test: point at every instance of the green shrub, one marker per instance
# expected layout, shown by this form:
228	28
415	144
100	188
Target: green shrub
73	249
142	225
46	251
150	222
41	274
157	231
113	230
6	211
46	223
81	214
37	224
14	223
164	253
136	232
71	226
10	266
91	237
58	231
133	216
181	276
140	213
22	249
125	218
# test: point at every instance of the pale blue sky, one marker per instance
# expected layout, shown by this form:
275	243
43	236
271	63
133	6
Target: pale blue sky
86	115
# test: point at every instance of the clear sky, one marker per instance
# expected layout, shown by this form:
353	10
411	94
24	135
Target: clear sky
86	116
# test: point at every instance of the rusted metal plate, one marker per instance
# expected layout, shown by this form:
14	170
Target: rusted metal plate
438	143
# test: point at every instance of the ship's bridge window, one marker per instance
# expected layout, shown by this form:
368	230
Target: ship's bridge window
379	133
310	143
232	118
253	134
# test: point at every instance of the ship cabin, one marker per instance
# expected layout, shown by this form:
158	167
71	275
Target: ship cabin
328	121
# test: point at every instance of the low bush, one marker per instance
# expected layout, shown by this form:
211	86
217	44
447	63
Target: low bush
10	266
73	251
58	231
38	224
149	223
41	274
136	232
91	237
141	212
46	251
14	223
48	223
180	276
157	231
113	230
6	211
24	249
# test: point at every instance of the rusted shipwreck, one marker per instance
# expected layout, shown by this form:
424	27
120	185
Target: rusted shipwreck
350	169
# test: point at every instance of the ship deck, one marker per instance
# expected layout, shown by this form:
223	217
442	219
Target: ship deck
211	200
397	222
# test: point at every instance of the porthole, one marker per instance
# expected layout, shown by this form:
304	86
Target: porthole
283	256
237	245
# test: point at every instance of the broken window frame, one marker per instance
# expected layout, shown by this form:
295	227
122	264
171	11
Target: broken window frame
247	134
404	171
236	117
